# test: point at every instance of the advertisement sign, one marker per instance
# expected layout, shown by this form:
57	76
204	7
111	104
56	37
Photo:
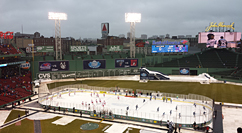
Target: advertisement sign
219	25
44	76
94	64
68	75
29	50
212	39
25	65
169	42
184	71
105	28
169	48
123	63
115	47
92	48
54	66
44	48
6	35
78	48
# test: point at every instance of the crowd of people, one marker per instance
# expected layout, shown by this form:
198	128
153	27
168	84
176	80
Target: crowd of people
15	84
6	49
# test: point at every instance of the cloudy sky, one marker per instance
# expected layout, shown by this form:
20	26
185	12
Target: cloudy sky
159	17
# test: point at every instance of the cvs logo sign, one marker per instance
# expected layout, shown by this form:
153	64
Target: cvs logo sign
44	76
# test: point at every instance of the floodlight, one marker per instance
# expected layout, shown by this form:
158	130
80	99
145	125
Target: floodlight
55	15
132	17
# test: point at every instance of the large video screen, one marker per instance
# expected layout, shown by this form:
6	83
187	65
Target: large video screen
220	39
169	48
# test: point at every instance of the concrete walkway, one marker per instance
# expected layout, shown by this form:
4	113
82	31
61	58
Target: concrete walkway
217	120
3	116
37	126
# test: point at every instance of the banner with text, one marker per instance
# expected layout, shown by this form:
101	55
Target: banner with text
115	47
126	63
94	64
45	48
78	48
54	66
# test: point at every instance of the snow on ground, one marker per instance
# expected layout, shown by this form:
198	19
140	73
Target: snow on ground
118	104
180	78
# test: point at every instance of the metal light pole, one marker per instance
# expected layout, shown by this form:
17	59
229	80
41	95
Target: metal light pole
132	18
57	17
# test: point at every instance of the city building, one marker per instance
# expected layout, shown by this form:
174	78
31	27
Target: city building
143	36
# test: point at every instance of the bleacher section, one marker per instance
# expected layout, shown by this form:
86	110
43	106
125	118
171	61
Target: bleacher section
189	61
227	57
8	49
14	86
240	61
210	59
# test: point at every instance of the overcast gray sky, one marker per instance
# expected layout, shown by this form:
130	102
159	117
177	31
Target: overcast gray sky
159	17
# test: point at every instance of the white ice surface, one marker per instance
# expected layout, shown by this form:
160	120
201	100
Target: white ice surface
147	109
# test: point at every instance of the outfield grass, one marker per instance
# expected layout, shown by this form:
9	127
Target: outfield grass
14	114
73	127
27	126
219	92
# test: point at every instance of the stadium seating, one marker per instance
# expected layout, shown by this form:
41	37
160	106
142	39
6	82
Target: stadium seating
14	86
227	57
8	49
210	59
240	60
189	61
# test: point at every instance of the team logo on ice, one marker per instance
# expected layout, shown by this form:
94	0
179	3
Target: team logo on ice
184	71
63	65
94	64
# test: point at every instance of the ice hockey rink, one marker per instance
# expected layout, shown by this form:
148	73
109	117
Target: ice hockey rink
178	110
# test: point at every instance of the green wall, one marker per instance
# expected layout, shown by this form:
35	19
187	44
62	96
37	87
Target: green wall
168	70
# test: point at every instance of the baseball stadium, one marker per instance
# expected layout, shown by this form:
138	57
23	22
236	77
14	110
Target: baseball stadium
121	85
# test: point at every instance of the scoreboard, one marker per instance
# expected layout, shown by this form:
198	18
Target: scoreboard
169	48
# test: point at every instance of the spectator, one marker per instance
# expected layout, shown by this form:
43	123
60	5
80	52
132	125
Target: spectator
239	130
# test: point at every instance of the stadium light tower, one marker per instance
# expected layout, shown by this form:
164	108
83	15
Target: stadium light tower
132	18
57	17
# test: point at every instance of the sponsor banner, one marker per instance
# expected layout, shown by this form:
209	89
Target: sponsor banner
25	65
78	48
44	48
169	48
92	48
53	65
94	64
44	76
184	71
115	47
144	74
105	28
124	63
30	50
68	75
